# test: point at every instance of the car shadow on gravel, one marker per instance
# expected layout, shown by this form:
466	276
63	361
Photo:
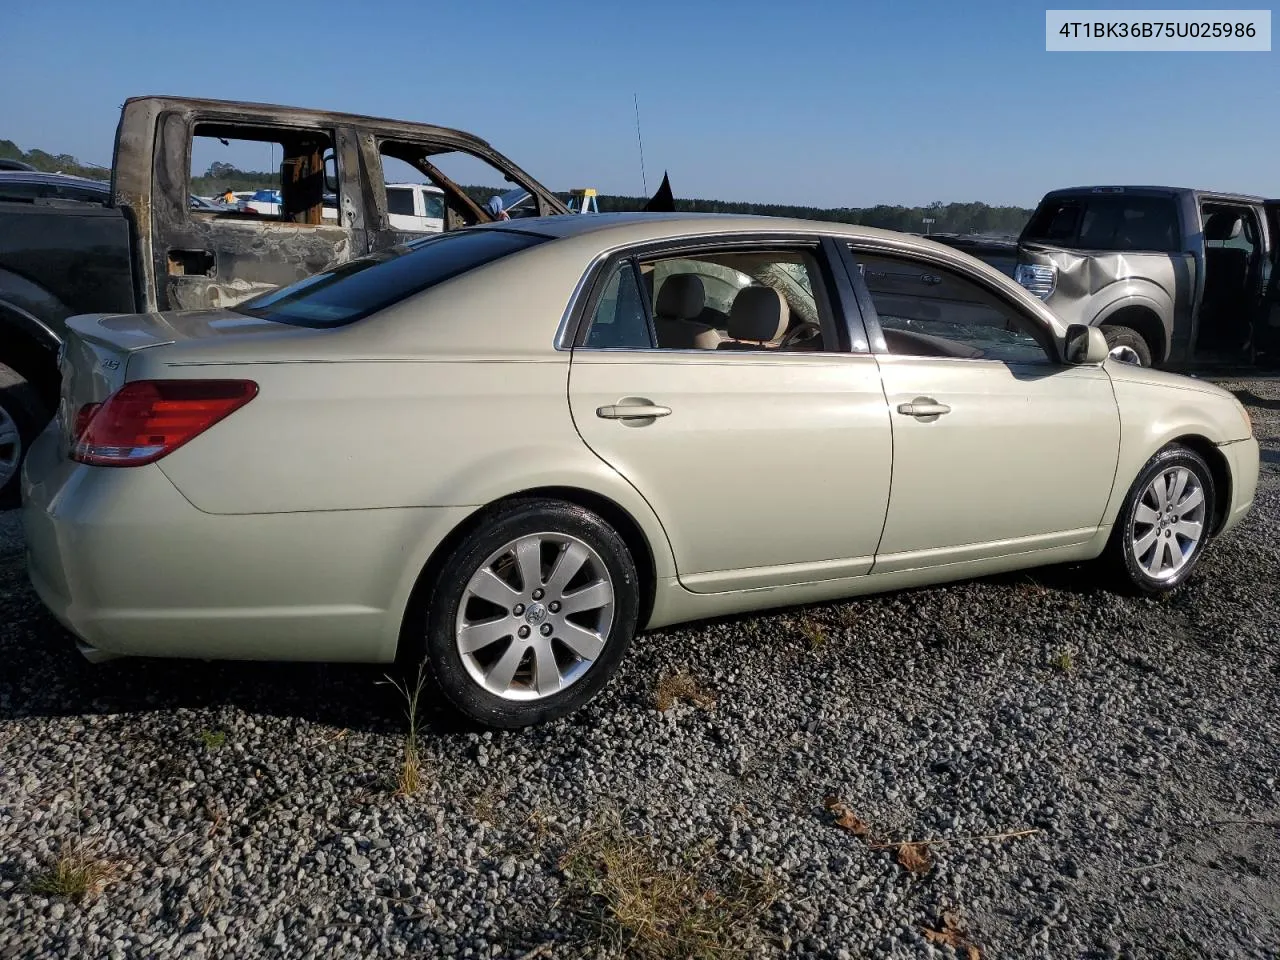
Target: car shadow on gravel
45	676
1251	399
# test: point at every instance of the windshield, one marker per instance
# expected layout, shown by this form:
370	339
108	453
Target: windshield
358	288
1106	222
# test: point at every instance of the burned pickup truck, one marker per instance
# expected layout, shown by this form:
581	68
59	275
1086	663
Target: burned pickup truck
148	246
1175	278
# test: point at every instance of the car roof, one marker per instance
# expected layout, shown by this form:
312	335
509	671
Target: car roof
625	228
39	176
431	187
1118	189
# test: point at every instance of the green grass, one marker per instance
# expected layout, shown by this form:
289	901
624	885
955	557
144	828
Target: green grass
213	739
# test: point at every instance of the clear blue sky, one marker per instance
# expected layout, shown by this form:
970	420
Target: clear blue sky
828	103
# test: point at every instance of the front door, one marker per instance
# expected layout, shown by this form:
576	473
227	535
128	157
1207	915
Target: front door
998	448
1267	328
766	456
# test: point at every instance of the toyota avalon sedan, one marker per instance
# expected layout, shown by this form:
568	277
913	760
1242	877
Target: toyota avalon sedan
508	448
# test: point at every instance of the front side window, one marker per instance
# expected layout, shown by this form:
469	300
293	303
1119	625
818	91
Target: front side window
366	285
400	201
931	311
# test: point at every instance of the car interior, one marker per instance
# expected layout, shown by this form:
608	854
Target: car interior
1232	265
745	300
930	311
306	170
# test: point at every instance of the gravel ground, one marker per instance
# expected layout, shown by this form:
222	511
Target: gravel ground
244	810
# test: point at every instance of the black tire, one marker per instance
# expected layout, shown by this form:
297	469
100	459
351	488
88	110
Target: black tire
21	405
1127	337
503	525
1121	552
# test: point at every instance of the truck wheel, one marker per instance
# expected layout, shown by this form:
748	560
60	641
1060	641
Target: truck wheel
22	416
1127	345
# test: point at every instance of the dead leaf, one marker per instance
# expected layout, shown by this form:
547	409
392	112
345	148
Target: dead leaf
846	818
952	935
915	857
944	938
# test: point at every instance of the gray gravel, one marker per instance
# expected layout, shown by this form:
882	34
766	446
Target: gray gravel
1148	768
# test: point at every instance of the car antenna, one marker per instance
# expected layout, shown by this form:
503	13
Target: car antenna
644	182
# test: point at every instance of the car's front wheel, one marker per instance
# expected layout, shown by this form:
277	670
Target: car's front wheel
1164	524
531	613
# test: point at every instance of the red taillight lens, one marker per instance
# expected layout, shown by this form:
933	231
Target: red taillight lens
146	419
83	416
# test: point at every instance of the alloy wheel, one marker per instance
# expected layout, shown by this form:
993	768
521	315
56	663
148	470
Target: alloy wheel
535	616
1168	523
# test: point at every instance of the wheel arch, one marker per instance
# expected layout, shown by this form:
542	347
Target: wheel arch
607	508
1141	315
30	348
1220	470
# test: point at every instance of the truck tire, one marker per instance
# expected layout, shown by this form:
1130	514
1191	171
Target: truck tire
22	417
1128	345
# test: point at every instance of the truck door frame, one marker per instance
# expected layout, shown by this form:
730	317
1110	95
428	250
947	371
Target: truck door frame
180	243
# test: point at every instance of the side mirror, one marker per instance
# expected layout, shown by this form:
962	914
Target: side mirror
1085	344
330	173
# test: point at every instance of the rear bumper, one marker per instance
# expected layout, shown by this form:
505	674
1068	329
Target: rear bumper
1243	461
130	567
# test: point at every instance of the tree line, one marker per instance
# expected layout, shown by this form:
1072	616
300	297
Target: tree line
958	218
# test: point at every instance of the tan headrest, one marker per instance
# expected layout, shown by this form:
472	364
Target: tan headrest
681	297
758	313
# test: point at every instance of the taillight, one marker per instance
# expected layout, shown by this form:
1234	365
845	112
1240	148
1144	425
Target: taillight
83	416
147	419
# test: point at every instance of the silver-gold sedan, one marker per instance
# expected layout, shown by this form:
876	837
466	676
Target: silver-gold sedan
510	447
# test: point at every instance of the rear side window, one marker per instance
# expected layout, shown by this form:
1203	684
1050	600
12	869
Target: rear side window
621	319
1106	223
361	287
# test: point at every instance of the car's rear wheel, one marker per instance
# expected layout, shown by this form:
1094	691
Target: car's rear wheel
1164	524
22	416
1127	345
532	613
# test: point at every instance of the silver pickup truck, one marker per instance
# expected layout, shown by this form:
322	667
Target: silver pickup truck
1175	278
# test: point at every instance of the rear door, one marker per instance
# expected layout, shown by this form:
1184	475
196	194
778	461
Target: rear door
766	464
208	258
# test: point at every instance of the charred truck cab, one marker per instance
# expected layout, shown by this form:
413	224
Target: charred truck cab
1175	278
147	246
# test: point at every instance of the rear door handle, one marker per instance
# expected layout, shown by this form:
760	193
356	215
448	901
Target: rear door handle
636	410
924	408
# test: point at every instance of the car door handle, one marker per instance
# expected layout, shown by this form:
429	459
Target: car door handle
923	407
632	411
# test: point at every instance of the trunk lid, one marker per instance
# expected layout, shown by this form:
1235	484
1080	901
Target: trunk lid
94	359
